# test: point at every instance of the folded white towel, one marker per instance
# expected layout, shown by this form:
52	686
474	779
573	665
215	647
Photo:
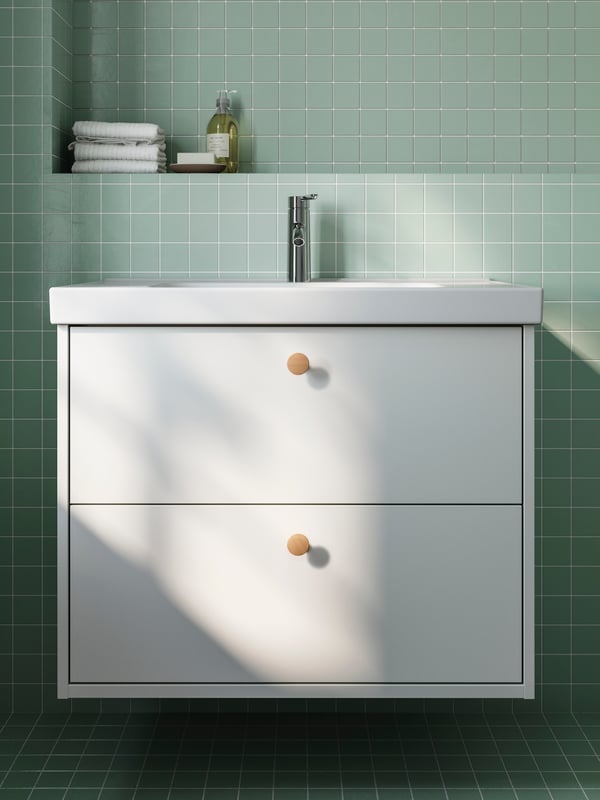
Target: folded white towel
89	131
112	140
131	152
114	165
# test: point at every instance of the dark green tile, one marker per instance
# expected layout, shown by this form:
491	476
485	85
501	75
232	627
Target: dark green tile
584	763
493	780
425	780
561	780
532	794
526	780
176	794
259	794
162	794
291	780
254	778
325	779
459	780
589	780
559	793
362	793
20	780
578	747
420	793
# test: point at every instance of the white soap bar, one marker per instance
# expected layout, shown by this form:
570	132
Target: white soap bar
195	158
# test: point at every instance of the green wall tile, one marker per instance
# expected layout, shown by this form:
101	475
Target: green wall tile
521	80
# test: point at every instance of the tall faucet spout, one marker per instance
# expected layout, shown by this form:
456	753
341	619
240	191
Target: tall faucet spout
299	237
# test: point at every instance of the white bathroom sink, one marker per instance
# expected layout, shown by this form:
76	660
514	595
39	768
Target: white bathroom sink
339	302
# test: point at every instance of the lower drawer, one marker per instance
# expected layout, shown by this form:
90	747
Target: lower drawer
210	594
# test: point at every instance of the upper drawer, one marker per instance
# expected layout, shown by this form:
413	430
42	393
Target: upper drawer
213	415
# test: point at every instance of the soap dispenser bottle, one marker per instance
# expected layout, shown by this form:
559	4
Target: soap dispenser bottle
222	134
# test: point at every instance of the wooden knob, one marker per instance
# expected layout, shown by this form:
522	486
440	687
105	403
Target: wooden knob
298	364
298	544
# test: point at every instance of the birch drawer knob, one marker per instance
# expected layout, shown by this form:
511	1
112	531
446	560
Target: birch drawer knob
298	544
298	363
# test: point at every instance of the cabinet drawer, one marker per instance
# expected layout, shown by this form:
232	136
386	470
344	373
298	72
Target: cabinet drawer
210	594
213	415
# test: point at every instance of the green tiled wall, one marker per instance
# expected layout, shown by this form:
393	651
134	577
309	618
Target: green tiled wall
532	228
354	85
60	91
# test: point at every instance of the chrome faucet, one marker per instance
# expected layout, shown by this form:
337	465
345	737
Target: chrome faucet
299	237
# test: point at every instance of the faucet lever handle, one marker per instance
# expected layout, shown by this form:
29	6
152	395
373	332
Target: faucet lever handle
310	197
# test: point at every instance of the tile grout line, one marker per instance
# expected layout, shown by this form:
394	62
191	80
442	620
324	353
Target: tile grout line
571	573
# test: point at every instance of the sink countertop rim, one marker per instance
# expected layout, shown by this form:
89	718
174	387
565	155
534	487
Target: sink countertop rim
351	302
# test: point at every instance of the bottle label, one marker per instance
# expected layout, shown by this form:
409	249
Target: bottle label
218	143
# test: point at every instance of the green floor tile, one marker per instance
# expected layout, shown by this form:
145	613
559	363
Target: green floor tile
561	780
572	748
14	794
127	794
254	794
498	794
420	793
583	763
527	780
459	780
440	760
545	749
589	780
387	780
256	779
493	780
54	779
532	794
20	780
121	779
323	779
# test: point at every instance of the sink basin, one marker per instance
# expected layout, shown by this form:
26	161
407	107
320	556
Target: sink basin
342	283
341	302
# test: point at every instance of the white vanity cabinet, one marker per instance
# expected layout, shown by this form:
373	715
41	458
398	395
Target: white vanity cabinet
189	453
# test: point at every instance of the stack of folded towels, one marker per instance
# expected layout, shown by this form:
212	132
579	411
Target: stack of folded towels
118	147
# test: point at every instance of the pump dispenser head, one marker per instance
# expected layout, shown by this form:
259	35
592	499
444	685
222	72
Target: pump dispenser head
223	101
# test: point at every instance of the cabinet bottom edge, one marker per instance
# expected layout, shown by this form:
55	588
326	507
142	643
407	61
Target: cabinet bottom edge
297	690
